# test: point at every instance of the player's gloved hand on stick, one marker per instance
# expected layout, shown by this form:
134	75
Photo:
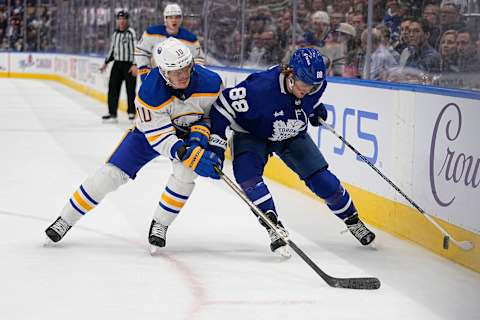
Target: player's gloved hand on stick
199	135
320	112
199	160
220	153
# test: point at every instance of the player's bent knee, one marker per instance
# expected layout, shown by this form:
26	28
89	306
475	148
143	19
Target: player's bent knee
323	183
106	179
111	176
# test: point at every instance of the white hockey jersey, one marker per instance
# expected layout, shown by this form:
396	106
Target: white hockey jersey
157	34
165	115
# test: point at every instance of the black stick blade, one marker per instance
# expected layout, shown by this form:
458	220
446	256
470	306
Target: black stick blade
355	283
347	283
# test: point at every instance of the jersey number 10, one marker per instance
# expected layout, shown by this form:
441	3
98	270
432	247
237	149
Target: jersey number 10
238	95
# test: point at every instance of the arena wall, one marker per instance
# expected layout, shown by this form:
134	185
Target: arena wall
424	139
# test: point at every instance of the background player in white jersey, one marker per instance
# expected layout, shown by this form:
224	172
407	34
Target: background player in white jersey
172	15
172	105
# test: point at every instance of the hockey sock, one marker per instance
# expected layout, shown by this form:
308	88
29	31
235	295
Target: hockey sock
106	179
257	191
341	204
327	186
173	199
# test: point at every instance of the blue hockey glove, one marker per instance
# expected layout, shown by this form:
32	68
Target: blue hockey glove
199	135
200	161
220	153
319	112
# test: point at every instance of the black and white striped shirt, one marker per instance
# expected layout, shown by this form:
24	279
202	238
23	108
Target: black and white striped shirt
122	46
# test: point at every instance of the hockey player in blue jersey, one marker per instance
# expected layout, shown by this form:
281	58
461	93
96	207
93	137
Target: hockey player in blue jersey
172	17
172	105
269	113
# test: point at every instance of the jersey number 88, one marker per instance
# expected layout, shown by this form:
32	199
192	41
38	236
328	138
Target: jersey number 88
237	95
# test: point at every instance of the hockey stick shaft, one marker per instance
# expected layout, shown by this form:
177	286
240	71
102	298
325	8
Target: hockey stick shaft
464	245
348	283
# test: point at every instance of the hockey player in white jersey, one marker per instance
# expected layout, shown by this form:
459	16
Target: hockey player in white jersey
172	15
172	105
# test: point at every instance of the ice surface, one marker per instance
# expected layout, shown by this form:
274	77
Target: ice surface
217	263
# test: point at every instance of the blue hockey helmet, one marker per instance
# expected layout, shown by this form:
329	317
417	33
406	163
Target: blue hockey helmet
308	66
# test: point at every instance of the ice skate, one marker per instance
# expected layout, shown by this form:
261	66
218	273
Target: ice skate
360	231
57	230
157	236
277	245
109	118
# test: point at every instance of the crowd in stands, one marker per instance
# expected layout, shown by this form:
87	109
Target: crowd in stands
26	28
430	41
427	42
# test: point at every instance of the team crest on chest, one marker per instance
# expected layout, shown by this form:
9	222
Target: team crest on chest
283	130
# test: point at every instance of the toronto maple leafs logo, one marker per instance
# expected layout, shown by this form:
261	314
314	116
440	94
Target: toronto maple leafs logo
283	130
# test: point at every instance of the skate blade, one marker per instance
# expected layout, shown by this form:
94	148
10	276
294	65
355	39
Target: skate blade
372	245
283	253
154	250
48	242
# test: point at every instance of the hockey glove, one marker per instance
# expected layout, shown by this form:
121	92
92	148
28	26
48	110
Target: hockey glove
199	135
220	153
319	112
200	161
218	145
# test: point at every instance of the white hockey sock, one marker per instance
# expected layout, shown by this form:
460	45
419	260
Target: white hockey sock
173	199
106	179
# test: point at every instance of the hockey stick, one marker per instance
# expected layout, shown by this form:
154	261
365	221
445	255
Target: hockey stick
464	245
348	283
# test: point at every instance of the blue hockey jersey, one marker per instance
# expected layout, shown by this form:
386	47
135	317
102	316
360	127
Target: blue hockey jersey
261	105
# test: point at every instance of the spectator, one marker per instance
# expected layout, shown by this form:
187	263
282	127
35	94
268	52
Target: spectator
385	36
358	22
431	13
467	57
360	6
402	42
420	54
318	5
319	27
285	30
450	18
336	18
302	14
392	19
265	51
15	33
381	61
448	51
338	49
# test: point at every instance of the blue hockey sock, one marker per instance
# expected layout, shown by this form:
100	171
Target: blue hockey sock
257	191
327	186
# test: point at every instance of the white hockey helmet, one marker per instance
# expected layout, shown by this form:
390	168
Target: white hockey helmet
172	9
171	55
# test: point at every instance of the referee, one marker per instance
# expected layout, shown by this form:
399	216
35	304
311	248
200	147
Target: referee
121	52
